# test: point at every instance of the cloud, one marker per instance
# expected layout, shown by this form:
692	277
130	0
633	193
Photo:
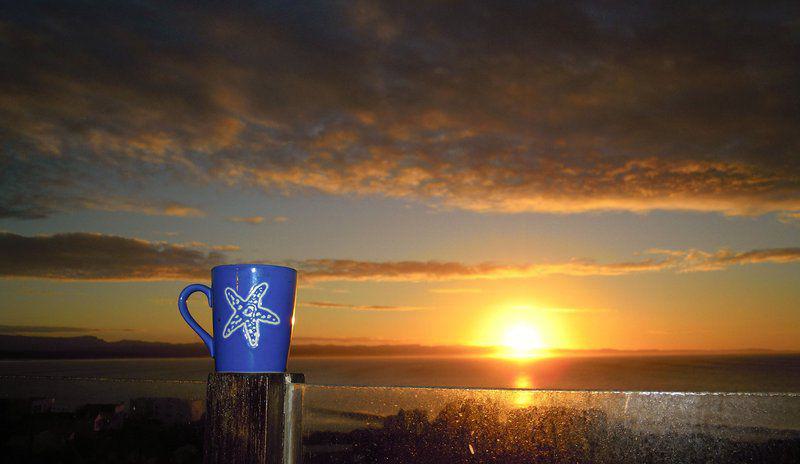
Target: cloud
73	256
56	330
180	211
789	217
698	260
553	106
560	310
226	247
28	329
139	205
257	219
40	207
343	269
248	220
455	290
379	308
578	311
680	261
673	333
86	256
346	341
206	246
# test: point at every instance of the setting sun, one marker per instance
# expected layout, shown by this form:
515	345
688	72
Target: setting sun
522	340
521	330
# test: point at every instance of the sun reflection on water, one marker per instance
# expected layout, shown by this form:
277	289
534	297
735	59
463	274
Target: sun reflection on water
522	398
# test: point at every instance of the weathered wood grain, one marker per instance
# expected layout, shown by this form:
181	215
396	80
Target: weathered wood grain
252	418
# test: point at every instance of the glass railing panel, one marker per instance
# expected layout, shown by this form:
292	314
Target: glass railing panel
351	424
139	420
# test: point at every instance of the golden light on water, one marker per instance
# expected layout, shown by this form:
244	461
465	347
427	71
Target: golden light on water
522	398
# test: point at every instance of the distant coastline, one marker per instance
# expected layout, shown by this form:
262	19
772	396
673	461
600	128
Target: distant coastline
90	347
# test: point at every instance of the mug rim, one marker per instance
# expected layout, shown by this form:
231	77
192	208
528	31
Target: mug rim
274	266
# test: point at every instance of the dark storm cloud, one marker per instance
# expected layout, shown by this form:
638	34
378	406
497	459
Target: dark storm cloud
487	106
85	256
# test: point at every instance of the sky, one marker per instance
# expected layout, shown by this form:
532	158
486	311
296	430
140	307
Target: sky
582	174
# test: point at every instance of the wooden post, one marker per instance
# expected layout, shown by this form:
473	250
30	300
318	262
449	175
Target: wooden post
253	418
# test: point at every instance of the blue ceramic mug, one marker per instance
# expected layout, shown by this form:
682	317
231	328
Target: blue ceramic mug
253	310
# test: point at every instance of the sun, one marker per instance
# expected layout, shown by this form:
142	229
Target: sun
520	331
521	340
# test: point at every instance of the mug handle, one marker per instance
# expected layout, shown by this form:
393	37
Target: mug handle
188	317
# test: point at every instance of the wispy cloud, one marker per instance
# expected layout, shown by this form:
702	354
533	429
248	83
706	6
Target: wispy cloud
356	307
455	290
47	205
672	260
40	329
674	333
346	341
206	246
248	219
342	269
108	257
180	211
257	219
549	109
560	309
698	260
54	329
789	217
576	311
226	247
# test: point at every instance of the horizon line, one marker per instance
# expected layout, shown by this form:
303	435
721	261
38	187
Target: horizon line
365	347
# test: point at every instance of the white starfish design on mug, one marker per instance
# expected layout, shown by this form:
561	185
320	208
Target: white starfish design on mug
247	313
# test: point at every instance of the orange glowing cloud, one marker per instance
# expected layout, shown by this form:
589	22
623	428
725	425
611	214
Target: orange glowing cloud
561	117
85	256
356	307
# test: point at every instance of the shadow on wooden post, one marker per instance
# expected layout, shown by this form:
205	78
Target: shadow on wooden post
253	418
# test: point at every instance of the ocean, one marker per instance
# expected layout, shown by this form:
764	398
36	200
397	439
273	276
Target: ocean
718	373
772	413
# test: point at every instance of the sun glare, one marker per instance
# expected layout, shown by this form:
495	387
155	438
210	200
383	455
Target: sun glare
520	331
521	340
